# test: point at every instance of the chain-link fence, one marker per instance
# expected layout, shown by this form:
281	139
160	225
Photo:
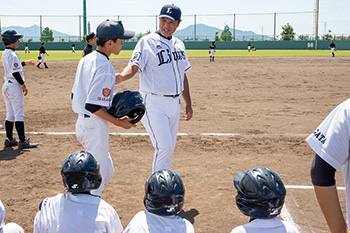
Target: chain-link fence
198	27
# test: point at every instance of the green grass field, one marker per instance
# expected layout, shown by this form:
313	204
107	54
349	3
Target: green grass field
63	55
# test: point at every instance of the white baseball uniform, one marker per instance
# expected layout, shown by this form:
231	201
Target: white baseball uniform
273	225
94	84
12	90
162	65
76	213
331	142
9	227
146	222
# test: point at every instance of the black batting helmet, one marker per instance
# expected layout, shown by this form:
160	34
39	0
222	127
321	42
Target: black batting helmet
81	172
261	193
10	36
128	103
164	193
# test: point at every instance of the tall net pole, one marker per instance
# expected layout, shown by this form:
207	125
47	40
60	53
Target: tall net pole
84	16
316	19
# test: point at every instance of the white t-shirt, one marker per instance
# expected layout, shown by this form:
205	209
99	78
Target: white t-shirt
146	222
273	225
162	64
76	213
12	64
331	142
94	82
9	227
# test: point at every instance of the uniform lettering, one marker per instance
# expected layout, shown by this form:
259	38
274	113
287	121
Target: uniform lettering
103	99
318	134
165	56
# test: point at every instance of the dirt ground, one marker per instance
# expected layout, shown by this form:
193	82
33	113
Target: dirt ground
265	107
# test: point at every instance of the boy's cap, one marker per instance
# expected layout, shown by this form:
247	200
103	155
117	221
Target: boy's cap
170	11
90	36
113	29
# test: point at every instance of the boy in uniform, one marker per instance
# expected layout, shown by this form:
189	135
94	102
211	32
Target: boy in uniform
13	90
91	41
42	53
92	93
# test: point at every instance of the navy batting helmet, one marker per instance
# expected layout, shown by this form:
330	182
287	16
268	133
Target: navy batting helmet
81	172
128	103
261	193
10	36
164	193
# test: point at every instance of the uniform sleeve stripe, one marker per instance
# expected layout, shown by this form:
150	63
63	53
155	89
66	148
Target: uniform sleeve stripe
188	68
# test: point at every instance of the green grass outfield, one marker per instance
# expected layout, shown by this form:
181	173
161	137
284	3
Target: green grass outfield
63	55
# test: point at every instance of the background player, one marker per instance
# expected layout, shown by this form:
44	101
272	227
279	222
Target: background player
260	195
249	46
333	48
9	227
330	141
91	41
164	198
78	210
42	53
13	90
162	63
26	48
212	51
92	92
73	47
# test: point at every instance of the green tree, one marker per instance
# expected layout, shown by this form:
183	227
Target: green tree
138	36
30	40
47	35
226	34
217	38
328	36
304	37
287	32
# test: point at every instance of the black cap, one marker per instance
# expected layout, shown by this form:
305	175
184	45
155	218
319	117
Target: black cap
90	36
170	11
112	29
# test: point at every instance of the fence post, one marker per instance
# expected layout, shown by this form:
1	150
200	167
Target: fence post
274	26
195	27
234	27
41	27
80	27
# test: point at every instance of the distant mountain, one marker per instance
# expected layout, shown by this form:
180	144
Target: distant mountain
207	32
33	32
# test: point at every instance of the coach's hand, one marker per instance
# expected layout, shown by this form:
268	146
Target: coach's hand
24	90
30	62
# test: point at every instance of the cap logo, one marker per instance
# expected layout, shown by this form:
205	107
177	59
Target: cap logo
169	11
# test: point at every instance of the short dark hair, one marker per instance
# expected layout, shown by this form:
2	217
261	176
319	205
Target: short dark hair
102	43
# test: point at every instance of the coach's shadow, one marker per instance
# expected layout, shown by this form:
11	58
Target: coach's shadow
189	215
8	153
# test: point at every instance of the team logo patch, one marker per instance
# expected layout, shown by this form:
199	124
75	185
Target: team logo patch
136	56
106	92
15	65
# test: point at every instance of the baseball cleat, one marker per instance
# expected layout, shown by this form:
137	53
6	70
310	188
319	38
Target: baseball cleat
26	144
9	143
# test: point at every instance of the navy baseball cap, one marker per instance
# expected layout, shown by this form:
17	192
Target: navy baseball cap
113	29
90	36
170	11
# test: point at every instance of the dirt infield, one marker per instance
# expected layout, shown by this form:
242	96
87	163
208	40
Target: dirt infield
264	108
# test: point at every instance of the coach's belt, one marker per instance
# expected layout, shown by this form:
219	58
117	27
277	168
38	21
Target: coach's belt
167	95
86	116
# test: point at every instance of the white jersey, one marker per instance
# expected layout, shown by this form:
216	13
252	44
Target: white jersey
162	64
9	227
76	213
94	82
331	142
146	222
12	64
273	225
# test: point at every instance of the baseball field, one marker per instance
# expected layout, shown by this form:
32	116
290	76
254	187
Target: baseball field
250	110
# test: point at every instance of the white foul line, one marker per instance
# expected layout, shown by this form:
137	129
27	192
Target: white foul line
306	187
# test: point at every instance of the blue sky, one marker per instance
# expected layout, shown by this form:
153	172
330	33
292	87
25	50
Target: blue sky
334	14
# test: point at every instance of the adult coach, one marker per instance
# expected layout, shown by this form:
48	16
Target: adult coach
212	51
331	141
162	63
78	210
92	92
333	48
13	90
91	41
42	53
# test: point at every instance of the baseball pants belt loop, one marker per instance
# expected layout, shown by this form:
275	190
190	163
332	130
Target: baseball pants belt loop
86	116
